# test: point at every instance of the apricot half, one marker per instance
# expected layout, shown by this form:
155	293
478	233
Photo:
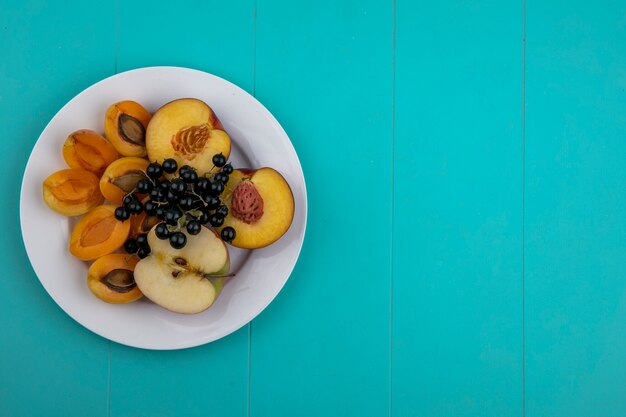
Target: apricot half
260	207
111	278
88	150
98	233
72	192
121	178
188	131
125	126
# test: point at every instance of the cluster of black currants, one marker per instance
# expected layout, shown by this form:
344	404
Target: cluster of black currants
187	201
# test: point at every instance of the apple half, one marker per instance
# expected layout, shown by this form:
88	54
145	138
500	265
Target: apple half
186	280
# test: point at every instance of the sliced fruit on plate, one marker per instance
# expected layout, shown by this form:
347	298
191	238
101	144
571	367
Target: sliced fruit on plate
98	233
121	178
186	280
260	207
72	192
111	278
125	126
188	131
88	150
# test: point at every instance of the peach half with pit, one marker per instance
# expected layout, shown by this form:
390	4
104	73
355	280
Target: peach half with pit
260	207
188	131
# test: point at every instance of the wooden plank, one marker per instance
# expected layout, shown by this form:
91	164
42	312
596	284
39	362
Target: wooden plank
457	282
322	347
575	209
216	37
51	51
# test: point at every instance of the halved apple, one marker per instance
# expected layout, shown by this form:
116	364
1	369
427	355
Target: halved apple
186	280
188	131
260	207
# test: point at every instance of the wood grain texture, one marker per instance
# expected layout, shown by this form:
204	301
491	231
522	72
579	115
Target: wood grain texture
210	380
49	365
576	209
322	347
457	243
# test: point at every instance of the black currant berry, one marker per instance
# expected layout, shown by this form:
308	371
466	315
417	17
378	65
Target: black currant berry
194	227
186	202
219	160
142	240
228	169
160	212
177	186
131	246
212	202
122	213
135	207
222	211
228	234
143	252
171	197
150	208
202	185
144	186
172	216
189	176
223	178
217	188
161	231
170	166
128	198
157	194
204	218
154	170
178	240
216	220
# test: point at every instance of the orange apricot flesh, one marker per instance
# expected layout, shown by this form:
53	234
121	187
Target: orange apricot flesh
121	178
98	233
125	127
88	150
72	192
111	278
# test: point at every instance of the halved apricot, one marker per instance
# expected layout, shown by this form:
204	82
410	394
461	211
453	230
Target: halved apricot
111	278
98	233
121	178
125	126
72	192
88	150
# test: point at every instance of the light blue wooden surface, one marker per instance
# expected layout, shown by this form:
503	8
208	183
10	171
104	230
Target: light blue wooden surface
466	246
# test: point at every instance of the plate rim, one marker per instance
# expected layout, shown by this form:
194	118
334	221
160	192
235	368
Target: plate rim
218	335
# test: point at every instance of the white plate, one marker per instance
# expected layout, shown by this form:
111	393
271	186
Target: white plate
258	140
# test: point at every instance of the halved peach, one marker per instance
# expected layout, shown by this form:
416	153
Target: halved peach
125	126
121	178
188	131
72	192
260	207
98	233
88	150
111	278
